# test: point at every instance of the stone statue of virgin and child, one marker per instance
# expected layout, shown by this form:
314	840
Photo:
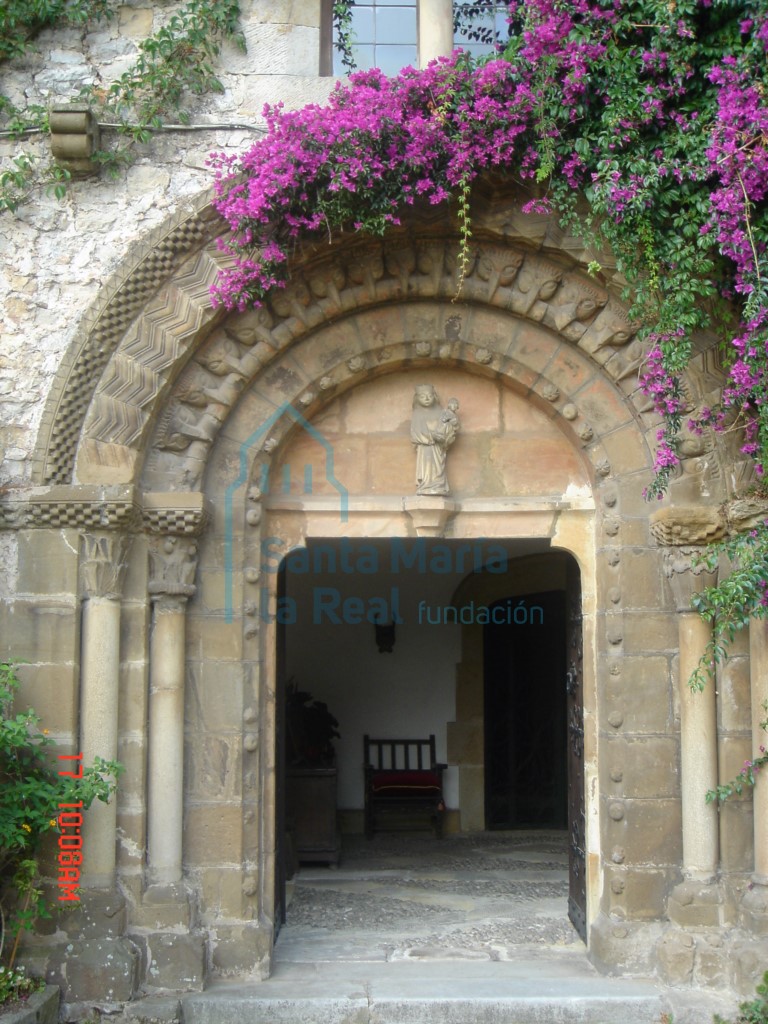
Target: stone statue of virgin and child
433	431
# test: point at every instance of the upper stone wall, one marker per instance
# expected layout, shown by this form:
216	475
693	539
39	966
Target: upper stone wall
57	254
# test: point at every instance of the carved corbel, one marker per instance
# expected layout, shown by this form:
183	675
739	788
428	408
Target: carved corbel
688	526
328	283
400	261
496	269
367	270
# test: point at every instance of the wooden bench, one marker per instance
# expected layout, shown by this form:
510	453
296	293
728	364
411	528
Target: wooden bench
402	777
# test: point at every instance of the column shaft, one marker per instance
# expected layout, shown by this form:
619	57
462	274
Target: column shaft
758	660
435	30
99	695
166	739
698	753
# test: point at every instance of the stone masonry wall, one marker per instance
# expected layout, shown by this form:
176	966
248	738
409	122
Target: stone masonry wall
58	254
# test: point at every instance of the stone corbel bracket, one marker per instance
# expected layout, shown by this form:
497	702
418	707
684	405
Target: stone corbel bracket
74	139
430	514
104	508
687	527
703	524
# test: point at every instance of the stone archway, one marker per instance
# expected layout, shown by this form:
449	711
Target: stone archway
164	413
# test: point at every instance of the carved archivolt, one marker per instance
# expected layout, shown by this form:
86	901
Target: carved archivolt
146	365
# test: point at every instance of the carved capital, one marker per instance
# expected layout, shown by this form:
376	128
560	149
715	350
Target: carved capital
687	575
173	563
103	565
679	527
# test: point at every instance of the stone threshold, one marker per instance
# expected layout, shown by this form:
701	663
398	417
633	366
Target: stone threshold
538	988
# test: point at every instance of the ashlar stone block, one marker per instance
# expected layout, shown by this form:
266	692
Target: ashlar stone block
177	962
48	562
242	949
676	953
104	970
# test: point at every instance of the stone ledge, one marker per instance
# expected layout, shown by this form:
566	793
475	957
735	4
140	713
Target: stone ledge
40	1008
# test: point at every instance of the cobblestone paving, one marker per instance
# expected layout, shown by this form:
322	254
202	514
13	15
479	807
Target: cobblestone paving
460	897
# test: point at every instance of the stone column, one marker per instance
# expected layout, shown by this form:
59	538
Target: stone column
103	571
173	565
758	661
435	30
698	719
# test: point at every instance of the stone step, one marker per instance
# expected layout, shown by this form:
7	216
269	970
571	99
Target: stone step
536	990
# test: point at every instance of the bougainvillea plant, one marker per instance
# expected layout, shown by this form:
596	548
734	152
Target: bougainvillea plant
641	124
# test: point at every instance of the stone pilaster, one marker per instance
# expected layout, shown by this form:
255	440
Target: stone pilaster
173	566
103	571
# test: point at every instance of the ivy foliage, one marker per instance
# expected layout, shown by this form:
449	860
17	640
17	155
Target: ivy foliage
175	62
22	20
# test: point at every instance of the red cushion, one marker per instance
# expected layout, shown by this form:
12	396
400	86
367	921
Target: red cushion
406	783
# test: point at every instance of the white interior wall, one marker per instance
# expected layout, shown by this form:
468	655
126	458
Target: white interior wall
407	693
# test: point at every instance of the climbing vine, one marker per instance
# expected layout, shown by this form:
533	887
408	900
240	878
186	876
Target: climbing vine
173	63
641	124
342	32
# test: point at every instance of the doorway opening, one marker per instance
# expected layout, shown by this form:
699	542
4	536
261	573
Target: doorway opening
502	697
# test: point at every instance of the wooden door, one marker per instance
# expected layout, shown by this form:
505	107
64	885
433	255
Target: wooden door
577	859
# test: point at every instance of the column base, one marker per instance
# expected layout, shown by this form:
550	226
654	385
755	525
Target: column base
163	906
696	903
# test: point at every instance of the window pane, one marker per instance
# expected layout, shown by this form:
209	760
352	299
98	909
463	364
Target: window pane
392	58
396	25
362	25
383	35
479	33
363	57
